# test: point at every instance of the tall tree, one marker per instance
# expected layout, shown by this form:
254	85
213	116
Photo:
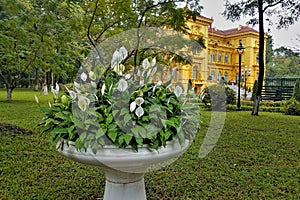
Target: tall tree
287	13
37	34
285	63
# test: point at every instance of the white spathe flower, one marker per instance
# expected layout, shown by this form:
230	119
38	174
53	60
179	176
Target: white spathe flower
154	70
92	75
83	102
55	91
49	103
119	69
116	59
93	84
132	106
149	73
57	87
122	85
178	91
139	101
123	52
153	61
83	76
72	94
127	76
146	63
157	85
139	112
36	99
77	86
96	97
103	89
110	87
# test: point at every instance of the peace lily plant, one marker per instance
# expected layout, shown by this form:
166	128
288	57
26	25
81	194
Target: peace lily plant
126	110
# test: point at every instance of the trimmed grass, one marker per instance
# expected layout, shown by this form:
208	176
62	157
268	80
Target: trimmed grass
23	109
255	158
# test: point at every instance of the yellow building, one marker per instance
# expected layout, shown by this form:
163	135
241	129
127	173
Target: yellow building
220	57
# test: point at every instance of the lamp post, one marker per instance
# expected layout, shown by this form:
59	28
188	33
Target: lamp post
246	73
240	49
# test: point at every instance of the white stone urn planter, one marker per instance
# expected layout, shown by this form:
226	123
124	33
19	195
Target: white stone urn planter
124	168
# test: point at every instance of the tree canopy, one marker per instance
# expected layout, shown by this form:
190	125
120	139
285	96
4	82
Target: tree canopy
56	35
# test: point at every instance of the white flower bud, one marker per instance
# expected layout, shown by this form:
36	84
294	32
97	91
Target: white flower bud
122	85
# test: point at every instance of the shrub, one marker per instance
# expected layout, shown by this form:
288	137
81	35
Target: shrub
230	95
214	95
296	91
292	107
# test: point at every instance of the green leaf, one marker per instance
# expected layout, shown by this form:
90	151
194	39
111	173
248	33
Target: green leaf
82	136
59	130
101	141
109	119
115	112
94	146
70	129
99	116
91	122
78	144
124	111
139	131
139	141
99	133
112	135
127	118
79	123
127	138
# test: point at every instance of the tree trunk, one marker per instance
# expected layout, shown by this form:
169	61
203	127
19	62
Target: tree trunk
256	105
261	59
9	93
36	86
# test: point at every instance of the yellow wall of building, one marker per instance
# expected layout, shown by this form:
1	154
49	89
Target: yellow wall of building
223	43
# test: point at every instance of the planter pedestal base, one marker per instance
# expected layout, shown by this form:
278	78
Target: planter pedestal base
130	188
124	168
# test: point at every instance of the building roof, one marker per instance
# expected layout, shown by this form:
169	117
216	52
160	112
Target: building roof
233	31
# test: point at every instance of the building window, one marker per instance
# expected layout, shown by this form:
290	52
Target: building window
226	58
194	73
220	57
213	56
212	75
225	76
257	58
219	76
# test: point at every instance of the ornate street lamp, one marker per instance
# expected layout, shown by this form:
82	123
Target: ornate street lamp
240	49
246	72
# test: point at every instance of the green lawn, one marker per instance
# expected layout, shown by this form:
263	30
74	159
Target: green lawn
255	158
23	110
